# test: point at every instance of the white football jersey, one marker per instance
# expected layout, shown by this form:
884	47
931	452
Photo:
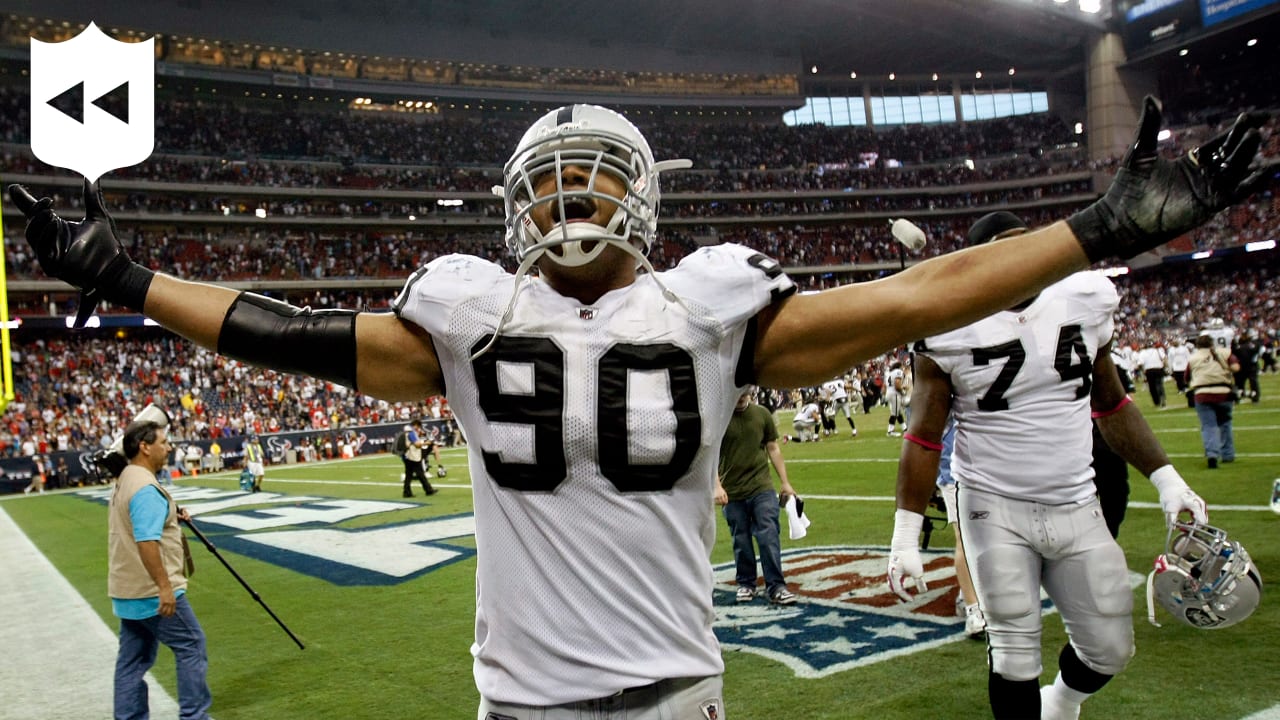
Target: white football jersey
593	440
1222	337
835	390
809	413
1021	382
891	380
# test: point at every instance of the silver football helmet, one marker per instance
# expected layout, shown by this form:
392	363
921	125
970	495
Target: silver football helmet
1203	579
602	142
1215	324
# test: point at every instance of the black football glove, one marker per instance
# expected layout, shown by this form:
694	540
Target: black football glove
85	254
1153	200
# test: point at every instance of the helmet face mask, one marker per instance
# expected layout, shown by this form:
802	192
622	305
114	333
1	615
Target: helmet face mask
1204	579
601	144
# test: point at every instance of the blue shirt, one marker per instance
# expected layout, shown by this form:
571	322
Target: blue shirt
147	511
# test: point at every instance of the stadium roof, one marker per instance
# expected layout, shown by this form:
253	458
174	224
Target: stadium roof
908	37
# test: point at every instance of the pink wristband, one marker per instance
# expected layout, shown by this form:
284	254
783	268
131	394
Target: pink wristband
1120	405
936	447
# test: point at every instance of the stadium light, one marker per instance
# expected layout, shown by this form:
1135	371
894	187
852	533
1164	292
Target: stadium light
1183	52
1092	7
935	77
1202	255
1260	245
853	75
977	75
1252	42
260	212
893	76
813	70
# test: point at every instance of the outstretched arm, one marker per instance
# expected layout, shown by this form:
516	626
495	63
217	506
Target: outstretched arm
1151	201
380	354
811	337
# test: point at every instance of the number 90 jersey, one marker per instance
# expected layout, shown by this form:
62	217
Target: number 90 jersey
1021	382
593	435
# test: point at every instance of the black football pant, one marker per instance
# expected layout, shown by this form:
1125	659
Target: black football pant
412	469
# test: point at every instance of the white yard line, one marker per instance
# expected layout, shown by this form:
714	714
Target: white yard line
59	657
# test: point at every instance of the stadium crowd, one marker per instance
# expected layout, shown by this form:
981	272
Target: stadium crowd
73	389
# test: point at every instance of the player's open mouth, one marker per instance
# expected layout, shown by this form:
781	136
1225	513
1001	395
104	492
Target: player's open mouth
575	210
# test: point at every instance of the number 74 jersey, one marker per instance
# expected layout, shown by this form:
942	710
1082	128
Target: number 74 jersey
593	434
1021	381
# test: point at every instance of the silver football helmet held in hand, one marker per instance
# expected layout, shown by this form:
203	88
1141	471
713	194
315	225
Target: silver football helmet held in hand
1203	578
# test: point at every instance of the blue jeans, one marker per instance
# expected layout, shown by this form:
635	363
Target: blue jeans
139	641
757	517
1215	429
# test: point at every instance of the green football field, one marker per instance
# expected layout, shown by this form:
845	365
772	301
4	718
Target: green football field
381	590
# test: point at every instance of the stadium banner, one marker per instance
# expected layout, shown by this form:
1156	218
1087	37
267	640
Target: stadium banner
1149	22
16	472
1213	12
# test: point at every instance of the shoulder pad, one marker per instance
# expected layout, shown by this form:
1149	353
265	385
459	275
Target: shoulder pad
734	281
450	276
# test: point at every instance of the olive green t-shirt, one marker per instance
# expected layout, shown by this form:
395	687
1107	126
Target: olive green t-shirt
744	463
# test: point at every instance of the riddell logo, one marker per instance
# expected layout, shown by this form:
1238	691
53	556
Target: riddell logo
92	102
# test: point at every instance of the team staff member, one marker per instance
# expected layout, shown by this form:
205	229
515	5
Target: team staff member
255	461
1210	373
149	563
744	489
606	512
414	461
1030	518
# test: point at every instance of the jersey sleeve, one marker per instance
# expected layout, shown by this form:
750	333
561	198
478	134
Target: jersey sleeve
437	287
734	281
1098	294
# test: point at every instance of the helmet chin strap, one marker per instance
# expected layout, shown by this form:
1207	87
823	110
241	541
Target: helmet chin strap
602	236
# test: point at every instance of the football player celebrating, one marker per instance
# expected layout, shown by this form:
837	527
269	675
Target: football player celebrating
592	526
1018	382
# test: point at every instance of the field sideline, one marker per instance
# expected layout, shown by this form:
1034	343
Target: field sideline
381	589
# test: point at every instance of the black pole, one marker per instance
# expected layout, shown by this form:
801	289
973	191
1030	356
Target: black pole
236	575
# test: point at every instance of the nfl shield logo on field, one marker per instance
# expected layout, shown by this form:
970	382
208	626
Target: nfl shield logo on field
92	102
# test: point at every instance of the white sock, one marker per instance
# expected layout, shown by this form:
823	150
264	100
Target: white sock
1066	694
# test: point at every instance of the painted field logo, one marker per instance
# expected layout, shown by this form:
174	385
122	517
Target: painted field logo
302	533
846	617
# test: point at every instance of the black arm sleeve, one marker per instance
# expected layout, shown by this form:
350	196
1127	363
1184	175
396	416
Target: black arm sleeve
270	333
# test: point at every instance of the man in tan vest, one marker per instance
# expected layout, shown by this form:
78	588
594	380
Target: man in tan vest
149	564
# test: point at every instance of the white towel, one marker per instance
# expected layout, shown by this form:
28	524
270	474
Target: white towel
797	521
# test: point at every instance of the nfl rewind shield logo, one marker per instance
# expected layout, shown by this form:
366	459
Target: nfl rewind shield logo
92	102
586	313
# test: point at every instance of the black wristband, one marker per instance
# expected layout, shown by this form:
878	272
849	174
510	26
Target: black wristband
270	333
125	282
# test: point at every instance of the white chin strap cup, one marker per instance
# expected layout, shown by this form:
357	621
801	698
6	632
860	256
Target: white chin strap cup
563	244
